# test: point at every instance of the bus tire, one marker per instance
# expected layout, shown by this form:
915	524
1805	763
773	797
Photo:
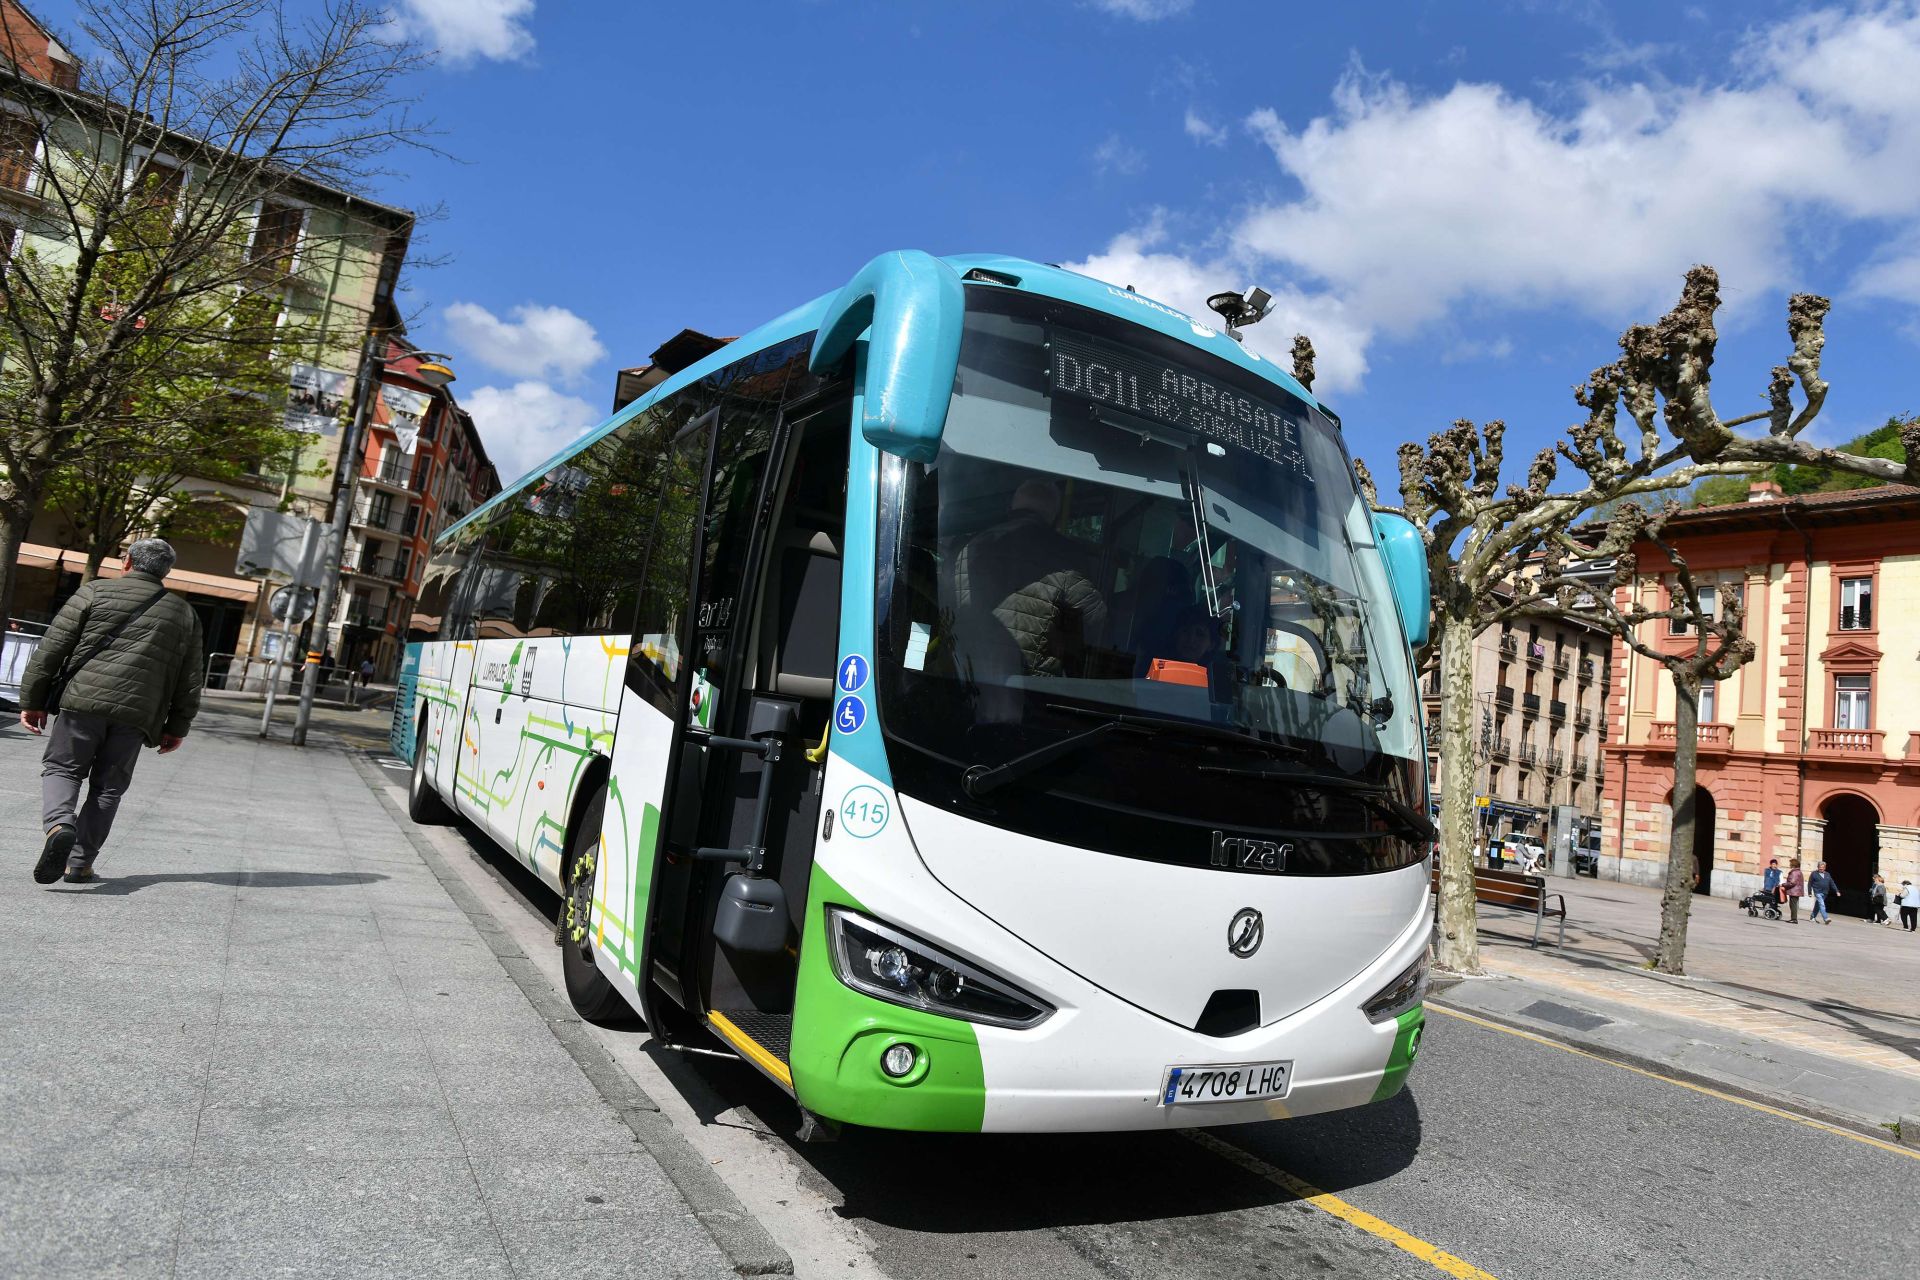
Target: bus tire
594	998
424	804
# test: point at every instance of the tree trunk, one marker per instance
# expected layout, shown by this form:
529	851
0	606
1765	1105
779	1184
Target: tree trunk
1458	947
13	532
1670	956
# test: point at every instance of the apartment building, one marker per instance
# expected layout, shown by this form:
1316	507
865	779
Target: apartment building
1812	750
1540	690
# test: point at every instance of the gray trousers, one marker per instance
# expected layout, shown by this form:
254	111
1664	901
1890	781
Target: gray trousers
83	747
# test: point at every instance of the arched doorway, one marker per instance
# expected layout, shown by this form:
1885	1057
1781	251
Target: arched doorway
1851	850
1704	813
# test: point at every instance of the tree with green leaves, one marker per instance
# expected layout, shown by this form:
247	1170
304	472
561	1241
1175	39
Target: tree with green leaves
156	227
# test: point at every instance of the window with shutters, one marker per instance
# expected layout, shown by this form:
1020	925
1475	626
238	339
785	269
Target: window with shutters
276	237
1856	604
19	143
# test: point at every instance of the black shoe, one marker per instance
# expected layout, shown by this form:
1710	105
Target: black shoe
53	854
78	875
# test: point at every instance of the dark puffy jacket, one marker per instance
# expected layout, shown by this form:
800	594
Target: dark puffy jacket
149	678
1029	575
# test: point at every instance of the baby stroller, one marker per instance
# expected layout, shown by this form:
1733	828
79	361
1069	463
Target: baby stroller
1762	904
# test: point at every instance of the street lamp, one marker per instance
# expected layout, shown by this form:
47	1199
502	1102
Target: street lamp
432	370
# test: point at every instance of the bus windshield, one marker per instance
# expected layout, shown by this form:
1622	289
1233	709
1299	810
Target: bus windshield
1121	527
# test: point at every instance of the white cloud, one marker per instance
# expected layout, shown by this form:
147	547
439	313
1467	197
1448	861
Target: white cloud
537	342
1181	282
525	424
465	31
1145	10
1116	155
1407	205
1204	131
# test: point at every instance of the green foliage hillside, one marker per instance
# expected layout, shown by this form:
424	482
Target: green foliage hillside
1793	479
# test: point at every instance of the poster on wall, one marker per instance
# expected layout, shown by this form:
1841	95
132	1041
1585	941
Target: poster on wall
405	409
316	398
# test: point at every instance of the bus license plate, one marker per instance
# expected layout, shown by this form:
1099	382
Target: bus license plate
1236	1082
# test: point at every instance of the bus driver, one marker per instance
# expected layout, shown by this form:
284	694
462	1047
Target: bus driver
1030	573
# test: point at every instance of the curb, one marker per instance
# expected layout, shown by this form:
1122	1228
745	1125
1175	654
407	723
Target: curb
1862	1126
747	1245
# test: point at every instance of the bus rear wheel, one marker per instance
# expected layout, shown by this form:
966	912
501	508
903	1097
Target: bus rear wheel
594	997
424	804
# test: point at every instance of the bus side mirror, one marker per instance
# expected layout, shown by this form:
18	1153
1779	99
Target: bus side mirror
1405	552
912	307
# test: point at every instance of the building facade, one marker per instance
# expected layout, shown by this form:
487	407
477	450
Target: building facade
424	468
1811	750
1540	692
321	255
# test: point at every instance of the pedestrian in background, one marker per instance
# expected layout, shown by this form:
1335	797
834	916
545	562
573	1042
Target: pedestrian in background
1822	887
1909	906
1877	899
120	665
1796	886
1770	883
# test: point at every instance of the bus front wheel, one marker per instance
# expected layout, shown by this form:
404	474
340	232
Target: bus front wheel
424	804
594	998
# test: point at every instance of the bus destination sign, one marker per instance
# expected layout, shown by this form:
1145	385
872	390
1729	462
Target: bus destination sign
1166	393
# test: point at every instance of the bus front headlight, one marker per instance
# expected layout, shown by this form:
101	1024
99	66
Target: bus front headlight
1408	988
881	961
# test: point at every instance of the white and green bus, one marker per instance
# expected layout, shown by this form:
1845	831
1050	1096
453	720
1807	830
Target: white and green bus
980	699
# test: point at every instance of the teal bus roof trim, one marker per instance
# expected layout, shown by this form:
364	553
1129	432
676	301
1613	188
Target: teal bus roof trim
997	271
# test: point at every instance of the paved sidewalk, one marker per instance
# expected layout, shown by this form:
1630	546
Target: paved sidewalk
1821	1018
270	1042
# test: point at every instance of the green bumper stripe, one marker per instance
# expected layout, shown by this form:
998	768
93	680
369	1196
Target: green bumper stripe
839	1035
1406	1043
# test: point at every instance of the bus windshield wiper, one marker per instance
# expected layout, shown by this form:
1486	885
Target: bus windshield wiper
1409	820
982	780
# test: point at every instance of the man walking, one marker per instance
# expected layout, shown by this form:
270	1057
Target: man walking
126	656
1909	906
1822	887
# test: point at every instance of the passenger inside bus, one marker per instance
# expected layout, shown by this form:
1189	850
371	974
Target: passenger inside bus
1035	581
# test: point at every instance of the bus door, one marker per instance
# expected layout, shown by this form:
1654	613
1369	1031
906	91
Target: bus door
767	606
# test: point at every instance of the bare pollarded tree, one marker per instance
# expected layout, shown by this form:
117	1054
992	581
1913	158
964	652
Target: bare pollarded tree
166	190
1484	537
1624	603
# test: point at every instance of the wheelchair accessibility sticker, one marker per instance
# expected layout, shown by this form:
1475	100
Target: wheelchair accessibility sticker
849	715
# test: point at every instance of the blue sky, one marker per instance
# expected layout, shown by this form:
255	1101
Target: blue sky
1461	202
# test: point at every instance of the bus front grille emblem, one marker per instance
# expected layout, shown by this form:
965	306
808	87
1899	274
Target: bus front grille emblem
1245	932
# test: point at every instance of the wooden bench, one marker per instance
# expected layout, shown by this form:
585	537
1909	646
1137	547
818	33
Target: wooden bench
1495	888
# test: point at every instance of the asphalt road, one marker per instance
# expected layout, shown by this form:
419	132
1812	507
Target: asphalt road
1512	1157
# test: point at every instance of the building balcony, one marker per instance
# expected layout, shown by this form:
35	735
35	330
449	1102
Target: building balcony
1579	769
1530	703
1711	737
392	473
363	565
1503	696
1529	754
1509	646
381	519
1562	665
1502	749
1558	710
1536	654
1583	720
1847	742
1586	670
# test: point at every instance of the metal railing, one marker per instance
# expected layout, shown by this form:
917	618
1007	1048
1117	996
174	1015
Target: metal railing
1502	749
1530	703
1509	646
1557	709
371	566
1562	664
1529	754
251	673
16	650
386	517
1586	671
1536	652
1503	696
394	471
1583	720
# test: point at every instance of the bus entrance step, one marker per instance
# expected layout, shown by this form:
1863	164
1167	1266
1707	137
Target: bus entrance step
773	1032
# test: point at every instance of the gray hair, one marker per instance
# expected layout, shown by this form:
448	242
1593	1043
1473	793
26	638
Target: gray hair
151	555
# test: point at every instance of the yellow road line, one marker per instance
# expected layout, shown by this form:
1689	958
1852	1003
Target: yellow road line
1809	1121
1300	1189
750	1049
